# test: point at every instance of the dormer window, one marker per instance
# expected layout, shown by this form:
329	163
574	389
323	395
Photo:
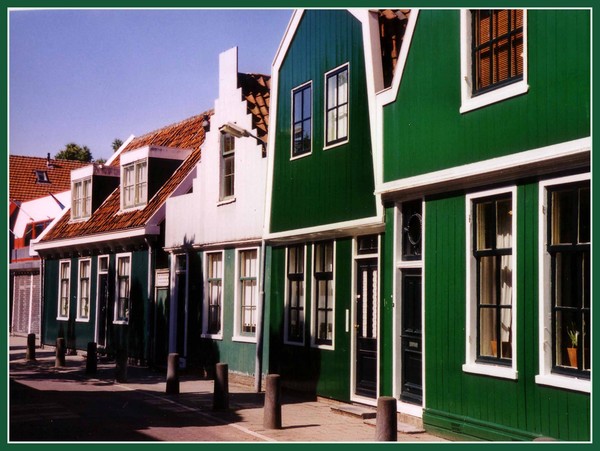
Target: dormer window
134	189
81	198
41	176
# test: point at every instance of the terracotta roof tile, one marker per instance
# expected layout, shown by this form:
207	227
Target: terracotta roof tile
187	134
256	92
23	184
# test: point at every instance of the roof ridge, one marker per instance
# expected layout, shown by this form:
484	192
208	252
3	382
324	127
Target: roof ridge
175	124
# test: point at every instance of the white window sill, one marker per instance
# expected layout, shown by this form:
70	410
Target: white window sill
333	146
501	372
298	157
226	201
62	318
82	320
566	382
212	336
324	347
497	95
121	322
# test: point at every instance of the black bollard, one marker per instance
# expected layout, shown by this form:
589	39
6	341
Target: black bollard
30	355
121	366
173	374
221	389
91	362
386	429
272	409
60	352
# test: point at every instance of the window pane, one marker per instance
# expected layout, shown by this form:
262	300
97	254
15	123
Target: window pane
562	230
584	215
504	224
567	336
331	92
485	225
306	102
331	125
298	106
566	284
487	333
487	280
343	87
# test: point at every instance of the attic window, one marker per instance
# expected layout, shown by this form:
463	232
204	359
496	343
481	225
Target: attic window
41	176
134	189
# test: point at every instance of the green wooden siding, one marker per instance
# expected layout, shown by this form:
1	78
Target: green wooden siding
483	406
423	129
333	185
324	372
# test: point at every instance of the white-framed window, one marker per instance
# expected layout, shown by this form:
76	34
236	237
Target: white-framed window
302	113
81	198
323	330
227	185
213	305
246	294
336	106
83	291
134	189
64	289
295	294
565	283
123	275
493	56
491	283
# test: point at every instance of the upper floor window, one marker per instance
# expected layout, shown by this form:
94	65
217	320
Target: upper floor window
81	199
134	190
41	176
302	120
336	104
493	56
491	271
227	188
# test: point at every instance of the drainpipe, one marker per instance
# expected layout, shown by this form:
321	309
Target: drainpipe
150	347
259	325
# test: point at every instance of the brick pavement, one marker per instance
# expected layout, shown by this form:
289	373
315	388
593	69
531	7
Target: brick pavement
303	419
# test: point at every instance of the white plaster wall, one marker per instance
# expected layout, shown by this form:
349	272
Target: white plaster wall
200	214
40	209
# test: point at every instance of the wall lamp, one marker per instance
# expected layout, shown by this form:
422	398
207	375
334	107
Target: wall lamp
238	132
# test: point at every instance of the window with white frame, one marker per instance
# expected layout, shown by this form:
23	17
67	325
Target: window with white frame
491	276
493	56
565	223
247	292
227	188
336	105
81	199
64	286
324	293
295	294
214	293
83	296
122	304
134	190
302	120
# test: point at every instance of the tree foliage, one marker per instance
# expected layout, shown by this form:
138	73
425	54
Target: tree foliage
76	152
116	144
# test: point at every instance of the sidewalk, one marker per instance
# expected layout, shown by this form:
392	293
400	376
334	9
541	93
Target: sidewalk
303	419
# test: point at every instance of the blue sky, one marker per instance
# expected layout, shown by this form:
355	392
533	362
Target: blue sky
90	76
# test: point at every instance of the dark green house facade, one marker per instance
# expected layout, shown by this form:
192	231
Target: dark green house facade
486	155
323	220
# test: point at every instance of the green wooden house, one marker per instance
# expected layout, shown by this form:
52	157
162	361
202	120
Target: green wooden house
485	180
323	221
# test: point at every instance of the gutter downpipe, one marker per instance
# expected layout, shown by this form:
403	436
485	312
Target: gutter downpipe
259	326
150	313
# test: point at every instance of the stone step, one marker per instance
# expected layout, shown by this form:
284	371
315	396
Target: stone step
363	412
403	428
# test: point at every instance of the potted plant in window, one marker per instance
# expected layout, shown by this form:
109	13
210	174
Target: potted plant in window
572	350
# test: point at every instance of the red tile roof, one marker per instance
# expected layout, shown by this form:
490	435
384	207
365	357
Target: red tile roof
256	93
187	134
23	184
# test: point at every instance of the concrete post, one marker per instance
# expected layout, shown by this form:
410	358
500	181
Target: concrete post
30	355
60	352
221	388
91	362
272	409
386	429
121	365
173	374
